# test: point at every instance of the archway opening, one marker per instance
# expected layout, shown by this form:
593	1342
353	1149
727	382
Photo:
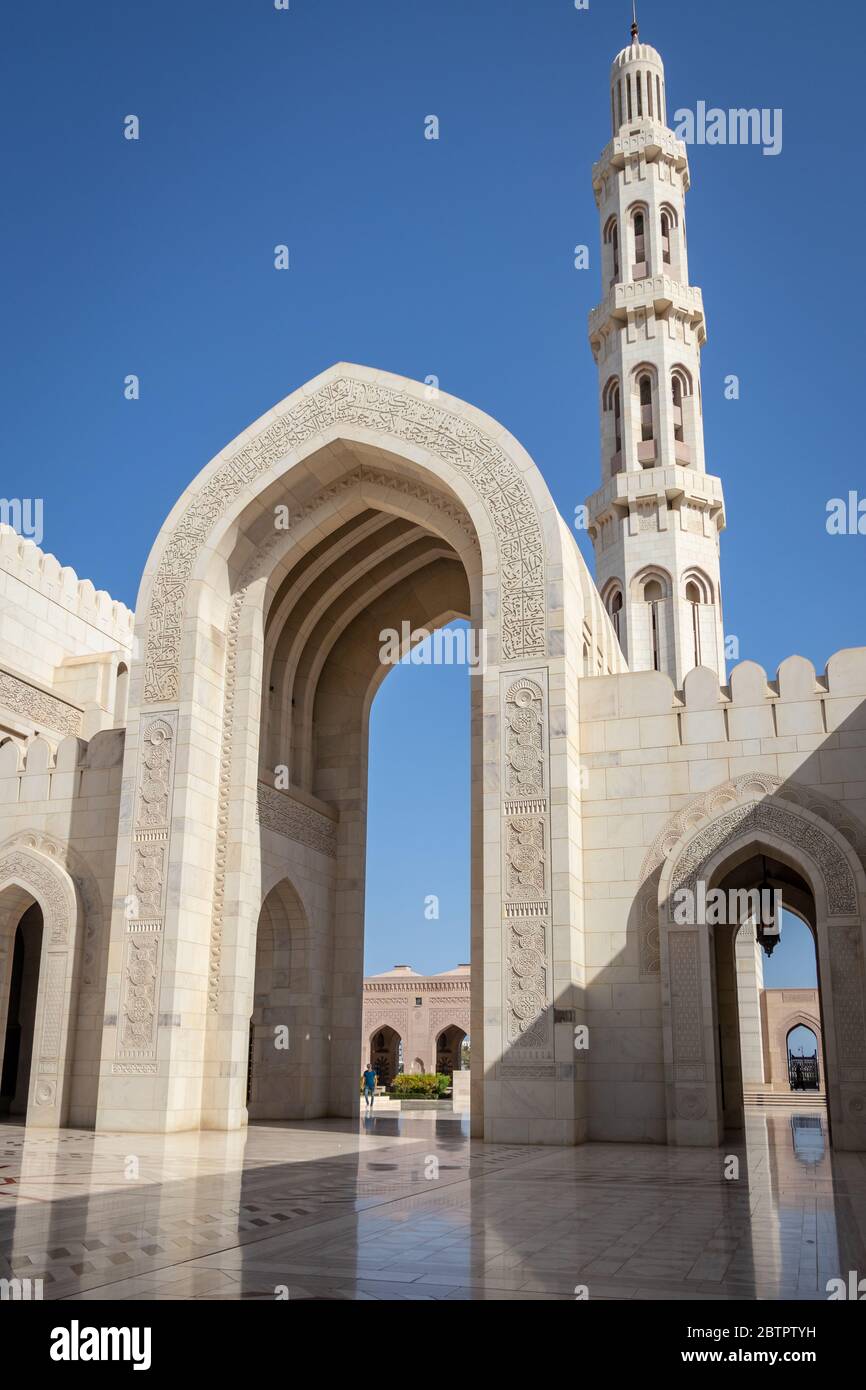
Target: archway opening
449	1050
380	577
19	1005
418	863
802	1057
767	983
287	1055
386	1055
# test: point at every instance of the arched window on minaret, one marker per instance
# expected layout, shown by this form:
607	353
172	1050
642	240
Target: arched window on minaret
611	240
612	424
677	393
655	592
628	94
669	226
685	437
613	602
639	82
640	253
700	607
646	449
666	237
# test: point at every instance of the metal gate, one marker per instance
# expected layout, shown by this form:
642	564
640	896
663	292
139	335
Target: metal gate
803	1072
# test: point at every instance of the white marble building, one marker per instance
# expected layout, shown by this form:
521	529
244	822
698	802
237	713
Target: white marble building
183	794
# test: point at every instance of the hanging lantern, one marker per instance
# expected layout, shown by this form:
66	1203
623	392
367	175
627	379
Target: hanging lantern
769	925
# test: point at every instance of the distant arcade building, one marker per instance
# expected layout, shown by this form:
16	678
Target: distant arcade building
415	1023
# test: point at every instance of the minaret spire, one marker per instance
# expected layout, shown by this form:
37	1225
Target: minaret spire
634	25
656	518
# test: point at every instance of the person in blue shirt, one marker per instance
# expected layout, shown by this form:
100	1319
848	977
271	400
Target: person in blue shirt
370	1079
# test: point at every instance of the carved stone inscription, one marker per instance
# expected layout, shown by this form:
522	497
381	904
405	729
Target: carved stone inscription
499	484
526	870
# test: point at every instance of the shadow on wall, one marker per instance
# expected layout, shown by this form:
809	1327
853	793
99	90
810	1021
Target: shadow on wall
663	1063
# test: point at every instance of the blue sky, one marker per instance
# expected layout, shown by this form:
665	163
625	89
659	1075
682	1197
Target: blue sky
452	258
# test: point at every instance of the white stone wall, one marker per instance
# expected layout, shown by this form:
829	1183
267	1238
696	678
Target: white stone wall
648	752
61	644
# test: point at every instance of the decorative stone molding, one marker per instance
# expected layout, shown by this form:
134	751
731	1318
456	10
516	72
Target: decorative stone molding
753	784
280	812
386	1016
847	979
394	413
142	947
685	998
46	711
757	816
85	885
691	1105
647	916
42	882
444	1018
526	871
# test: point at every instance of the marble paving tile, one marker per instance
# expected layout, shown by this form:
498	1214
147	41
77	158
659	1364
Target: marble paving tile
334	1210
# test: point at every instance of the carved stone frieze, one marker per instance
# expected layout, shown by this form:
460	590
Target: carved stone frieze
394	413
46	711
282	813
526	871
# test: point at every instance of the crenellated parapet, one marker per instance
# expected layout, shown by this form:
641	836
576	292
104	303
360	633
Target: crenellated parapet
78	768
796	700
44	573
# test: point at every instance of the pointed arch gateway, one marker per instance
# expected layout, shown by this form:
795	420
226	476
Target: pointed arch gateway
29	879
357	506
824	875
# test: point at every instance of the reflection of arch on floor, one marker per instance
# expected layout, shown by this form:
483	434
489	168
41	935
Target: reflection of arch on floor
449	1041
824	883
386	1053
287	1071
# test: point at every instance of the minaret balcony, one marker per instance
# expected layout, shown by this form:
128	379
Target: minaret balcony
642	137
666	483
657	292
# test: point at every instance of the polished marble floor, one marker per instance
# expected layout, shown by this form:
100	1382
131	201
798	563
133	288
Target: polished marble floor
407	1207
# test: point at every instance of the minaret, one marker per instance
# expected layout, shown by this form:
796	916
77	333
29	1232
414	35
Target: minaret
656	519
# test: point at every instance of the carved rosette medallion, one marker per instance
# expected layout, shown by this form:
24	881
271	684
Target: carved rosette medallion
528	1009
501	487
145	906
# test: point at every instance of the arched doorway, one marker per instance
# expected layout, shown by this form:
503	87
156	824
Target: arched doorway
801	1046
449	1044
358	506
739	960
287	1070
750	834
23	991
386	1054
40	952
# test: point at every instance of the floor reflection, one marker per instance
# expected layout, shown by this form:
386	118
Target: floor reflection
409	1207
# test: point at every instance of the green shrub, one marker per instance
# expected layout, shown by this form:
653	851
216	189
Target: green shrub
420	1085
